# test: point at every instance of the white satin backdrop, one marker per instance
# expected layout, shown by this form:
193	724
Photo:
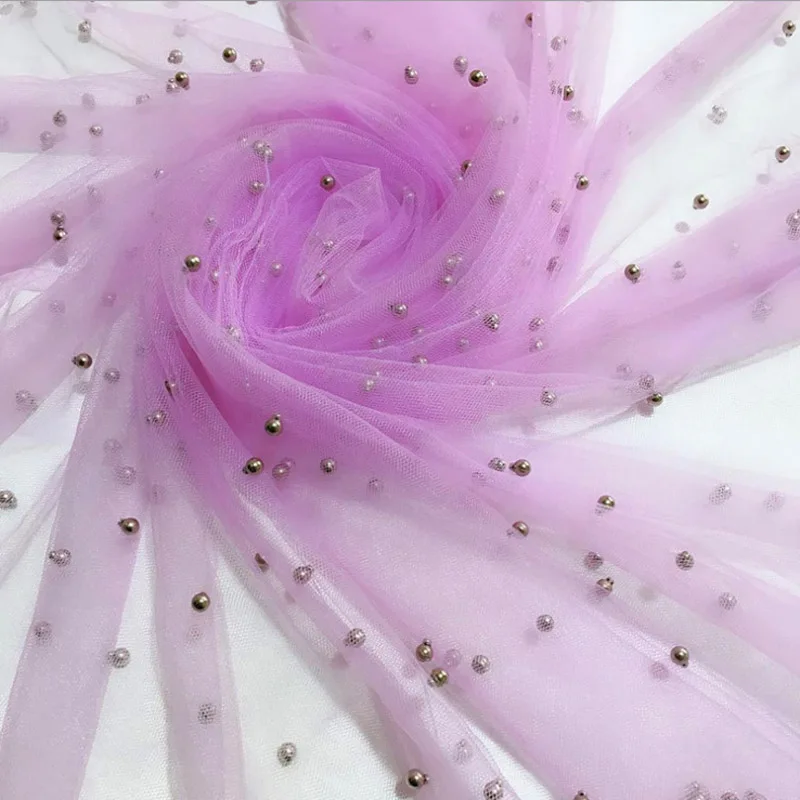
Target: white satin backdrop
747	418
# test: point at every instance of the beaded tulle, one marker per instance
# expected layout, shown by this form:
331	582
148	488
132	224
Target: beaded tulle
337	316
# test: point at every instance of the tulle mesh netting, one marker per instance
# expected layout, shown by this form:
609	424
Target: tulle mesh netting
327	310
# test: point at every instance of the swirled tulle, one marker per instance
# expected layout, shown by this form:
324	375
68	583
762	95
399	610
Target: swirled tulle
434	312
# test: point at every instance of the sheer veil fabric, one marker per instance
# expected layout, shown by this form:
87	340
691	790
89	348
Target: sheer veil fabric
338	316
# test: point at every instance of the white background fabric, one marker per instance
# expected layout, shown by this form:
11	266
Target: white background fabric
746	418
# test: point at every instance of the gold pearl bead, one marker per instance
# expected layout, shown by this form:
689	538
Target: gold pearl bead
478	77
606	584
568	92
273	426
59	234
606	501
82	360
253	466
328	466
521	467
633	273
424	651
655	399
782	153
700	201
327	182
789	28
182	79
201	601
192	263
416	778
521	527
229	54
129	525
439	676
582	183
680	656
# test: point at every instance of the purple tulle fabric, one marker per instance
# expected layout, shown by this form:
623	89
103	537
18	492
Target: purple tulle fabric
335	323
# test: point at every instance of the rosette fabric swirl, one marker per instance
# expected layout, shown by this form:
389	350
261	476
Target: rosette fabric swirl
330	312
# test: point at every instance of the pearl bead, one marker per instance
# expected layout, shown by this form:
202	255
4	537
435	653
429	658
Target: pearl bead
328	466
273	426
568	92
557	43
416	778
727	601
633	273
175	57
129	525
606	585
192	263
399	310
718	114
521	467
58	218
684	560
424	651
478	77
261	562
82	360
8	500
411	75
680	656
96	130
606	502
789	28
497	196
302	575
263	150
492	321
521	528
327	182
493	790
782	153
545	623
581	183
253	466
256	64
60	119
281	470
592	561
182	79
460	64
156	418
229	55
481	664
201	601
59	234
355	638
61	557
529	19
548	398
439	676
84	30
287	753
256	187
700	201
497	464
119	658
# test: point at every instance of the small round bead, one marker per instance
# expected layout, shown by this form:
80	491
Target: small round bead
328	466
126	475
8	500
256	64
606	501
545	623
655	399
478	77
497	197
606	584
201	601
287	753
43	631
192	263
521	528
327	182
581	183
281	470
261	562
58	218
439	676
548	398
416	778
411	75
680	656
568	92
355	638
158	417
96	130
727	601
229	55
633	273
581	796
424	651
82	360
494	790
274	426
302	575
175	57
529	19
61	557
788	28
253	466
182	79
119	658
275	268
782	153
59	234
460	64
492	321
521	467
399	310
592	561
700	201
481	664
59	119
84	30
129	525
256	187
720	494
111	375
557	43
47	140
263	150
684	560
